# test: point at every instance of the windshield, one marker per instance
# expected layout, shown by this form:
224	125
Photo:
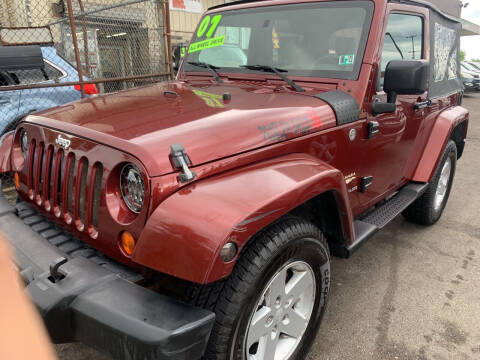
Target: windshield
313	39
469	67
475	66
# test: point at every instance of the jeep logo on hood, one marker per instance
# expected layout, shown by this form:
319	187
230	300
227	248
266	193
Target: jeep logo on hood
64	143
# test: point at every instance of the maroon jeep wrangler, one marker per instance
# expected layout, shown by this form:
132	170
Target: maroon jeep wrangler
197	217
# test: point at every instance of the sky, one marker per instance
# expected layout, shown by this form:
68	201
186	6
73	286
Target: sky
471	44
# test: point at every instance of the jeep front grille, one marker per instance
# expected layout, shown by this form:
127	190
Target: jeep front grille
67	187
69	244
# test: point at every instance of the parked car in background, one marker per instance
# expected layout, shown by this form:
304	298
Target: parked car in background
470	76
474	64
468	66
35	65
470	83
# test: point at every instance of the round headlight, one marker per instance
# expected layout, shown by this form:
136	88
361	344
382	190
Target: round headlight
133	188
24	142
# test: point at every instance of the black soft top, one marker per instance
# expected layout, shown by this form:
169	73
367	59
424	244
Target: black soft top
413	2
429	5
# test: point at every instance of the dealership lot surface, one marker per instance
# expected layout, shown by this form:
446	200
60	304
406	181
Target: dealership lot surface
411	292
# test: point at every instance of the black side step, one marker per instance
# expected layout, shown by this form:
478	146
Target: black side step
377	219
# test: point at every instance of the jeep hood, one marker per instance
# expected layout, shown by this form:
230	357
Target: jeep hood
146	121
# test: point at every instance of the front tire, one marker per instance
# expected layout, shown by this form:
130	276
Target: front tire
273	302
428	208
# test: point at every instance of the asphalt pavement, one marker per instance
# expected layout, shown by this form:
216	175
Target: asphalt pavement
411	292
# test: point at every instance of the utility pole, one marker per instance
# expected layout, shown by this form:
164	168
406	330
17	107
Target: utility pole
413	45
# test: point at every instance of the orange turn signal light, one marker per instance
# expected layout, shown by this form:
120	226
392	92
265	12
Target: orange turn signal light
16	180
127	242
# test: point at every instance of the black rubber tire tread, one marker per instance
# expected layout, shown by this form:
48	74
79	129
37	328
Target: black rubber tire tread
226	297
422	210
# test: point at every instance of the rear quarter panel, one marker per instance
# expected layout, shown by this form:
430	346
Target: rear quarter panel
9	105
440	134
44	98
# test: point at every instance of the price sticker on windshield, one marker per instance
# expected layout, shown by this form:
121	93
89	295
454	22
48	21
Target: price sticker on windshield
210	24
206	29
205	44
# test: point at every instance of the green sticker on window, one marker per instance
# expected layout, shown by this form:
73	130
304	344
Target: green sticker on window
346	59
213	25
205	44
202	28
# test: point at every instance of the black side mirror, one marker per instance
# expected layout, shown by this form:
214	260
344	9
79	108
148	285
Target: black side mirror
402	77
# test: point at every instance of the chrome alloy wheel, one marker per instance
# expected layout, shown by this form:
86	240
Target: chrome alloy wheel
442	185
281	316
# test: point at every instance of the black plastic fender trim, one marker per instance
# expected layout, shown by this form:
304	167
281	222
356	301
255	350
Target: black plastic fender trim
344	105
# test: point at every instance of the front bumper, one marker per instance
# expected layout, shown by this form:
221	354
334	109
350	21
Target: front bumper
97	301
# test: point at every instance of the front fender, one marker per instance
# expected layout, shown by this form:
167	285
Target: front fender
439	136
184	235
6	142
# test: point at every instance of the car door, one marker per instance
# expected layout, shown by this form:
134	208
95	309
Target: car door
388	149
9	102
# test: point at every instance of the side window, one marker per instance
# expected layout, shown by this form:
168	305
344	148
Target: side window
52	72
403	41
33	76
28	76
5	79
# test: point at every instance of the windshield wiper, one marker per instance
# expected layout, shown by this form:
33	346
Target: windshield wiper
211	68
268	68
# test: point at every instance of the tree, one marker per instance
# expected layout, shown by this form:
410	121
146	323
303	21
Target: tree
463	55
476	60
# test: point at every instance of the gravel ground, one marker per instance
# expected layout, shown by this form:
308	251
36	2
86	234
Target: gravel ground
410	292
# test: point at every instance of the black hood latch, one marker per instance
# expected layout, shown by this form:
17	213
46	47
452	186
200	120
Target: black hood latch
181	161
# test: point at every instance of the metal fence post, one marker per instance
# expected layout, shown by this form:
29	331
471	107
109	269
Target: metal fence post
169	42
75	47
167	36
85	38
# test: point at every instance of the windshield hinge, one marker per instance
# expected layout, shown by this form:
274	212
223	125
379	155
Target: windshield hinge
181	161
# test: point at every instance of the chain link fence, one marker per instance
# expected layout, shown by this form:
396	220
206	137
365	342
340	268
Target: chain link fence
56	51
86	47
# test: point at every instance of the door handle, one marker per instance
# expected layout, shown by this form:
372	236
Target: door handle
422	104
